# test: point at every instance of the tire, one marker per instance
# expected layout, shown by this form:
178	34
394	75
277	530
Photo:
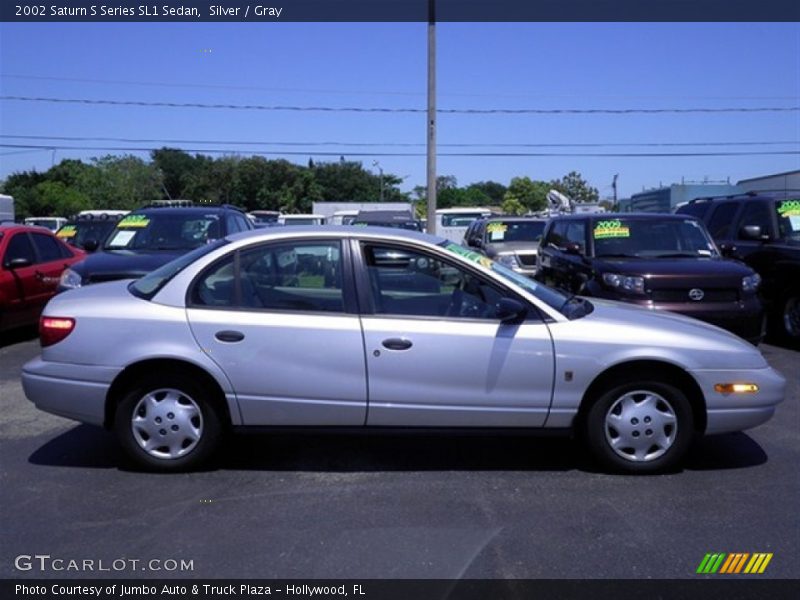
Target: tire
642	426
178	413
787	319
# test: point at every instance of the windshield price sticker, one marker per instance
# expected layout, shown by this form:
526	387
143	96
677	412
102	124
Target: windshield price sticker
134	221
789	208
611	229
67	231
497	231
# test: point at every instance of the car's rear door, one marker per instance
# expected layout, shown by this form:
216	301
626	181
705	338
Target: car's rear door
437	355
280	319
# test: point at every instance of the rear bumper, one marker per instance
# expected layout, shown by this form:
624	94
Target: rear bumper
76	392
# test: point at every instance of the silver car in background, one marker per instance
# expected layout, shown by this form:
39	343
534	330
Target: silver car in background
343	327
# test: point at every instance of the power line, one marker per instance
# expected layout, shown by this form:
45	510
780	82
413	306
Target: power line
165	84
451	154
401	144
373	109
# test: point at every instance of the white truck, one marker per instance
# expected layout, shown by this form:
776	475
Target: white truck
452	223
6	208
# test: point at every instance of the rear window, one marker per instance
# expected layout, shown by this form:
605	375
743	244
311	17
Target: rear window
514	231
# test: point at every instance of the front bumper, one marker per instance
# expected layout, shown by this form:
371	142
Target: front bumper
737	412
73	391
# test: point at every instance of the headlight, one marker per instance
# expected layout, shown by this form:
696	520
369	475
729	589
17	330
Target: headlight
508	260
751	282
70	280
624	282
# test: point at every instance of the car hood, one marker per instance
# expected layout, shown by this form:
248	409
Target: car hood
109	265
636	332
511	247
710	266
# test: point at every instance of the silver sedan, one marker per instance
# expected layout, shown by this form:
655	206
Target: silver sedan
368	327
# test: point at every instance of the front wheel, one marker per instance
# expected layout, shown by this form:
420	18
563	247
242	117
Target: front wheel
640	427
789	315
167	423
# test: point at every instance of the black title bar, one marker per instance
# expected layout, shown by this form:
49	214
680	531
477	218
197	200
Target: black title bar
398	10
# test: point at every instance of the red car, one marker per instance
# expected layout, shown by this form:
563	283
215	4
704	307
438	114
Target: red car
31	262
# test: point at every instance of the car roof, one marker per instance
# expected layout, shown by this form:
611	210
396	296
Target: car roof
11	227
513	219
747	196
181	210
464	209
336	231
622	215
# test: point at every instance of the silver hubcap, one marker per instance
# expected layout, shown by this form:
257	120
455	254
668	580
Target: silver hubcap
641	426
167	423
791	317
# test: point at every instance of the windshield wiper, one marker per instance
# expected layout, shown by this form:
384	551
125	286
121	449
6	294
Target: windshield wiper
680	255
618	256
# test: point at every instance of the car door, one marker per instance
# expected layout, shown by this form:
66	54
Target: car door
26	299
437	355
51	263
280	320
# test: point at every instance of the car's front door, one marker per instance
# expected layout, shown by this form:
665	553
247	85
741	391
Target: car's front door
279	319
437	354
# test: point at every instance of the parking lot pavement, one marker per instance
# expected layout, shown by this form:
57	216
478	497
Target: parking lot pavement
306	506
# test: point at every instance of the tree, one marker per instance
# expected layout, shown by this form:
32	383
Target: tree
531	194
495	191
576	187
450	197
512	206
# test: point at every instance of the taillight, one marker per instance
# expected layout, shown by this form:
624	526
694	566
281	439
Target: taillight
54	329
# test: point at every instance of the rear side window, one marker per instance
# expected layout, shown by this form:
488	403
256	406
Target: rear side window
304	276
720	224
47	247
695	209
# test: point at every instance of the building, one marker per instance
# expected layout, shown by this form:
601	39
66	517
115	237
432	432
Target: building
787	184
665	199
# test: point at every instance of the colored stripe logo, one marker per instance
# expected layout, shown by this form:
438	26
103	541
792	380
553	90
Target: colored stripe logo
737	562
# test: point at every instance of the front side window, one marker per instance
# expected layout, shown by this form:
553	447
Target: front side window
19	246
296	276
408	282
755	213
47	247
720	224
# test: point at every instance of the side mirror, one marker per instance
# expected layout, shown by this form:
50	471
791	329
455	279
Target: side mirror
90	245
752	232
18	263
574	248
727	250
509	310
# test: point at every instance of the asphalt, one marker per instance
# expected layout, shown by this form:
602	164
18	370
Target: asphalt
283	506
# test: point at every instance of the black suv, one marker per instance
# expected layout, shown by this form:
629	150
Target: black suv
147	238
88	231
511	241
661	262
764	232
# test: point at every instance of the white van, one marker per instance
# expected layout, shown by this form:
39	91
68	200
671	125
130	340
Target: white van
452	223
51	223
306	219
6	208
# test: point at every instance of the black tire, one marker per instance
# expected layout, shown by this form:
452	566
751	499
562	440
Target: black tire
787	319
630	415
172	408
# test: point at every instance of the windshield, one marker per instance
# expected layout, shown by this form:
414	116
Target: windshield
651	238
460	219
789	219
80	232
164	231
569	306
148	286
513	231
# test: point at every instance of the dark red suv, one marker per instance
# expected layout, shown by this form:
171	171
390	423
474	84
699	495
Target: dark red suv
660	262
31	262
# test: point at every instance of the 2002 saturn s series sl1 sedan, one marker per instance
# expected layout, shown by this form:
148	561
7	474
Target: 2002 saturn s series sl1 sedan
370	327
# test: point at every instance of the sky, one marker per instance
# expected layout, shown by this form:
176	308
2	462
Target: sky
383	65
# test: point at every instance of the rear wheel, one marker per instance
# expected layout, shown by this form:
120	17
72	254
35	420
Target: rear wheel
167	423
640	427
788	318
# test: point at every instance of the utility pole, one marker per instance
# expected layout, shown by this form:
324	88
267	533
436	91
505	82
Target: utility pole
614	185
375	163
431	222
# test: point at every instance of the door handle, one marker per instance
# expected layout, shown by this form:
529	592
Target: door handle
229	336
397	344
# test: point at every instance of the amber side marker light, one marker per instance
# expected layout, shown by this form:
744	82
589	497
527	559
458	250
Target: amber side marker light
736	388
54	329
